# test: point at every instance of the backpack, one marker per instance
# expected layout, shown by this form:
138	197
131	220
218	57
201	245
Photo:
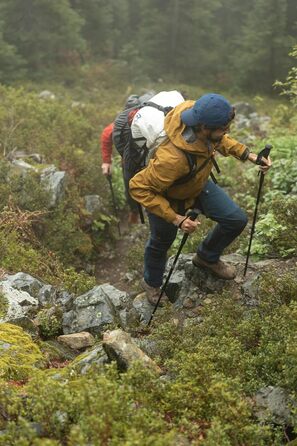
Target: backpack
139	131
121	134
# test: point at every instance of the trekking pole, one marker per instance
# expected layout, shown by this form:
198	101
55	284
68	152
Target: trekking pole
192	214
264	153
109	179
140	212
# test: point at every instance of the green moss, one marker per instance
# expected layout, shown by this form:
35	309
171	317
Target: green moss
18	354
55	351
3	305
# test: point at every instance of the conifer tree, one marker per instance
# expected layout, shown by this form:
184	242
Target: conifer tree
44	32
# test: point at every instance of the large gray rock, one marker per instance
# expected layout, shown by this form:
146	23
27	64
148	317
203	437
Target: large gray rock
21	155
22	167
273	403
47	95
95	356
95	309
120	347
45	293
24	282
250	287
19	303
188	281
259	124
93	204
243	108
55	183
143	308
242	122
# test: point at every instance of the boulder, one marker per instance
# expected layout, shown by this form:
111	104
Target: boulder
259	124
251	286
93	204
120	347
95	309
47	95
27	325
273	404
20	154
21	167
242	122
45	294
143	308
18	304
95	356
24	282
55	183
243	108
188	281
77	341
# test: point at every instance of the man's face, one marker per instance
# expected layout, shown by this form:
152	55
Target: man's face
217	135
214	135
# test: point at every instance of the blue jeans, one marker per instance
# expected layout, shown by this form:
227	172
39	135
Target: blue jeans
215	204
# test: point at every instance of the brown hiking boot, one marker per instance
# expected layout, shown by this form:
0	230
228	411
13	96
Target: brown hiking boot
133	218
152	294
220	269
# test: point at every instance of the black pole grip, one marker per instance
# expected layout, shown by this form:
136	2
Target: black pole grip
192	214
263	154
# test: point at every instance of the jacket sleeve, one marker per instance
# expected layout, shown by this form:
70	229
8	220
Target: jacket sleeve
148	186
229	146
106	144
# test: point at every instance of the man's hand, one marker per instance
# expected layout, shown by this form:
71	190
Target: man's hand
268	164
106	169
188	225
267	161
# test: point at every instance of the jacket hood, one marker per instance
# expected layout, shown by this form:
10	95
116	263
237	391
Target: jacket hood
174	128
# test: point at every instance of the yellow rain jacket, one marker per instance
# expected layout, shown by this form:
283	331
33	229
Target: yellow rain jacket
153	187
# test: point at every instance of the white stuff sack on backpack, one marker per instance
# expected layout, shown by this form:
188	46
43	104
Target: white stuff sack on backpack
148	123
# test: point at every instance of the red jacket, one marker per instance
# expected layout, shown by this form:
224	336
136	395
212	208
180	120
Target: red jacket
106	143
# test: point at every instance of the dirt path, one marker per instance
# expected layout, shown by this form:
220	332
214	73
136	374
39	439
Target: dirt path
115	263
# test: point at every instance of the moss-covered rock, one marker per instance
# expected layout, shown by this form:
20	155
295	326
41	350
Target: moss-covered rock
18	353
3	305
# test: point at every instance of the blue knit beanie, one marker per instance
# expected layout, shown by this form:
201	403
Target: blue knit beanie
212	110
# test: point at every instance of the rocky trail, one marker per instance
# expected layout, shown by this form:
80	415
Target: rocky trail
113	265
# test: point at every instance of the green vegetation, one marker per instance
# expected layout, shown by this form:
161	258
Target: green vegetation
92	55
129	40
3	305
18	353
49	322
34	237
213	368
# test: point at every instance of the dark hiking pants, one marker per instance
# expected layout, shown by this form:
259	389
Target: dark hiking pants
215	204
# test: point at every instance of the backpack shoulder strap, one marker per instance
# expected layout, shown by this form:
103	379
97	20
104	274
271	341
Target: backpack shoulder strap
165	110
193	169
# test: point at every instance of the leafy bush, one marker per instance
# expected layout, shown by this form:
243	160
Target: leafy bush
289	87
50	322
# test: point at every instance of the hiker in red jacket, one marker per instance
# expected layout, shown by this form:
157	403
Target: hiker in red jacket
106	154
106	149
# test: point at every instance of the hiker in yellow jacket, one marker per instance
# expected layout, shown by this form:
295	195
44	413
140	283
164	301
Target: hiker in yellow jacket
200	128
